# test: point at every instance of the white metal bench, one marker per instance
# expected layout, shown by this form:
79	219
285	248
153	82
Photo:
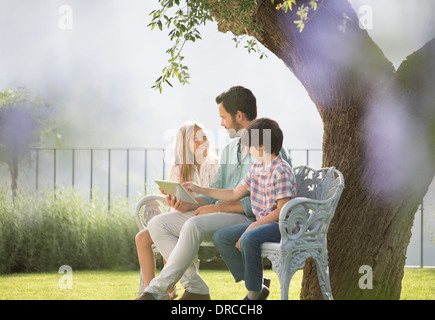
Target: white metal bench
318	192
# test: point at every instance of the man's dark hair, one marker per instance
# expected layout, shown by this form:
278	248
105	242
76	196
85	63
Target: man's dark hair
239	98
263	132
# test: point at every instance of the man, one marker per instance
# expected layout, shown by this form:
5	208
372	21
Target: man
178	234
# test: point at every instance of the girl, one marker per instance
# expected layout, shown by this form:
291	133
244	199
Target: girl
193	162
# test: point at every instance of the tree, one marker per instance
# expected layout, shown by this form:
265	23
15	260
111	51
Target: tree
23	124
379	124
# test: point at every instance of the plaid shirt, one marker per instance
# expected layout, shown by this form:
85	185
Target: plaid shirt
268	185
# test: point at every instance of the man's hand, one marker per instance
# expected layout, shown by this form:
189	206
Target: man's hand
210	208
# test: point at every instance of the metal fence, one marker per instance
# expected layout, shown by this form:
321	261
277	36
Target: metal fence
119	170
92	165
38	164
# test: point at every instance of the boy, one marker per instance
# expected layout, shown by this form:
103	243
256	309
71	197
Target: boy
272	184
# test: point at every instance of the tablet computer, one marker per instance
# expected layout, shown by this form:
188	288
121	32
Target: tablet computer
175	189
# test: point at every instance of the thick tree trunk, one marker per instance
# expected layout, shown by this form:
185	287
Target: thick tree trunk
376	124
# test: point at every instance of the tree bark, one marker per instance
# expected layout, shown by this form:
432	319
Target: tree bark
377	128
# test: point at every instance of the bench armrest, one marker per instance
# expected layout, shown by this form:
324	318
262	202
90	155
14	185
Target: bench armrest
312	216
152	207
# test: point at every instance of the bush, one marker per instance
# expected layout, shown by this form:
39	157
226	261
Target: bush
41	232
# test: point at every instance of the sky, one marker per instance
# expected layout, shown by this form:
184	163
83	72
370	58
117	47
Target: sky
98	74
98	71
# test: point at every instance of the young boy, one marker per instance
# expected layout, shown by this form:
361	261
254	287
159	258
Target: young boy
271	183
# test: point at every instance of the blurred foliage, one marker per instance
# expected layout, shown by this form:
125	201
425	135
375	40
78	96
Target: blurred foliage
24	123
40	232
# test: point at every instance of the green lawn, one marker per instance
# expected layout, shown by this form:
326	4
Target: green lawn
418	284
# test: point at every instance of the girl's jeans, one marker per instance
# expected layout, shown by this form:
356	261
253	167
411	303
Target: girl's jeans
245	264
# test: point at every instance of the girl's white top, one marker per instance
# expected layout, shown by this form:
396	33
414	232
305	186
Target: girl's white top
206	175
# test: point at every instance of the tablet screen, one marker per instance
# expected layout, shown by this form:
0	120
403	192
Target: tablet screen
175	189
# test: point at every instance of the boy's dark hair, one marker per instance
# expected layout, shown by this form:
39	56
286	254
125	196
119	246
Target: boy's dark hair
239	98
263	132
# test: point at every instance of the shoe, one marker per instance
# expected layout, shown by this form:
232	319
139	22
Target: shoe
266	282
172	295
263	294
145	296
194	296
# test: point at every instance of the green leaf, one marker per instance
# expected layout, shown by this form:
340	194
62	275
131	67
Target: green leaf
288	5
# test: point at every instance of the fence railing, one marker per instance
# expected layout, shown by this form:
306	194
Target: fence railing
115	168
92	166
304	156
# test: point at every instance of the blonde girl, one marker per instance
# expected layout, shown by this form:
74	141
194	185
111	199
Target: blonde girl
193	161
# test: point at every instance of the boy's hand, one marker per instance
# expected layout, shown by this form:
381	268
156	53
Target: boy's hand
250	227
190	186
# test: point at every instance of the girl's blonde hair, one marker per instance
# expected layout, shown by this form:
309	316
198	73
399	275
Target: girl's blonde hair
183	155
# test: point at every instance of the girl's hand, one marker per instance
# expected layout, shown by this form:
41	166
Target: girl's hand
177	204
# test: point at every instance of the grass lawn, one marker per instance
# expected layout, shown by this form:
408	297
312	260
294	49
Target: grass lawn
418	284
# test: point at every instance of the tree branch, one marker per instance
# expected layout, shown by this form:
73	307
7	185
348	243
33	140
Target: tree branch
333	66
416	78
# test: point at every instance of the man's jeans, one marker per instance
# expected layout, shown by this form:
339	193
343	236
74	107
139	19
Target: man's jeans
245	264
177	236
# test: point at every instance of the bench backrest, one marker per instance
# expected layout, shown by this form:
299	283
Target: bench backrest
324	185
